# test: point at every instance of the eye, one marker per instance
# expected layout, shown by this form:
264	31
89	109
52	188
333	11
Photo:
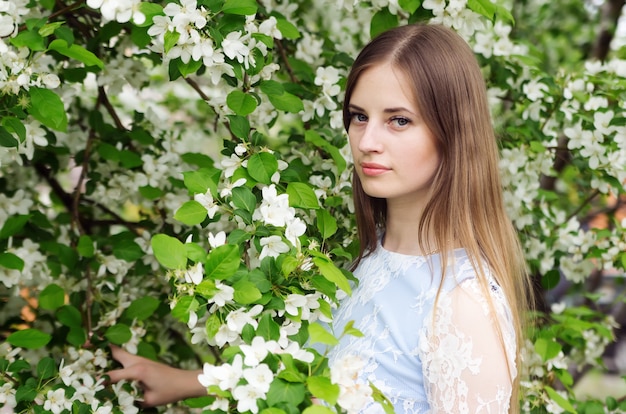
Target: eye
358	118
400	121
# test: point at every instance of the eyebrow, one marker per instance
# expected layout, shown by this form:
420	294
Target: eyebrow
386	110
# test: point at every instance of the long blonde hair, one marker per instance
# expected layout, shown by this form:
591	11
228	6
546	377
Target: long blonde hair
466	207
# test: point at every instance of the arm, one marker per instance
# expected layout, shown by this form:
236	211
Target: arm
467	368
161	383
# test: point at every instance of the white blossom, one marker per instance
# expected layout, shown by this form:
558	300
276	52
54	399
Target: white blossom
224	294
194	274
56	401
257	350
259	377
207	202
273	246
246	396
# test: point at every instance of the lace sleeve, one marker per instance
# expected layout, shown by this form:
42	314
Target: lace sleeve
464	363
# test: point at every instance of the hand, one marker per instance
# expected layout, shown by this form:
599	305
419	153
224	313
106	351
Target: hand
161	383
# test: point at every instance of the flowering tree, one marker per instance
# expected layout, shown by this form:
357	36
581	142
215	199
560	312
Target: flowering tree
175	179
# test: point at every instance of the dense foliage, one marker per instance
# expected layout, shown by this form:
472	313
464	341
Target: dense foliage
174	179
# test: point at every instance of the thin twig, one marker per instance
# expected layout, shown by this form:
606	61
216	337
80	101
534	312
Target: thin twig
104	100
283	56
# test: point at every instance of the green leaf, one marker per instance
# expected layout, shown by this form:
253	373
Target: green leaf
302	195
142	308
318	409
14	125
551	279
349	329
52	297
184	306
169	41
273	410
268	328
109	152
505	14
611	403
547	348
239	126
11	261
213	324
290	373
246	292
27	392
149	192
240	7
200	160
285	392
191	213
169	251
61	252
130	159
77	336
317	140
65	33
190	67
382	21
287	102
560	400
77	52
322	388
85	246
261	167
332	273
244	199
127	249
238	236
29	339
49	28
141	135
287	29
483	7
46	368
7	139
149	10
382	399
118	334
69	316
326	224
222	262
271	87
409	5
202	180
241	103
47	108
206	288
195	252
30	39
318	334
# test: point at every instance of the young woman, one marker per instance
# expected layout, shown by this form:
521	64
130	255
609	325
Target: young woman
442	282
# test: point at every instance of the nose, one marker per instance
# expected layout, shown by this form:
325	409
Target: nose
369	138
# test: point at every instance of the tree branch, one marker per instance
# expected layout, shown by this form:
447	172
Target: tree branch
104	100
611	10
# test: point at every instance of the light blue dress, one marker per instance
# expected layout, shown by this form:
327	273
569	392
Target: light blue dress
452	363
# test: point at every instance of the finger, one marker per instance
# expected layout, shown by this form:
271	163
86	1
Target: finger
118	375
122	356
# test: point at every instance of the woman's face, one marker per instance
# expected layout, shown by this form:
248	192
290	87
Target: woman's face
394	152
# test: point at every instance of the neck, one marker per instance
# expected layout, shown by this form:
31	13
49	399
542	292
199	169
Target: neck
402	230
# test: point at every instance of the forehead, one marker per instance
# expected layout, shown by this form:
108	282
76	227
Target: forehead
383	84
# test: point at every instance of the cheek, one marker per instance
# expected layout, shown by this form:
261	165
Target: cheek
353	142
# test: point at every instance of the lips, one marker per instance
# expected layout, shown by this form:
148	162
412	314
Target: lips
372	169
